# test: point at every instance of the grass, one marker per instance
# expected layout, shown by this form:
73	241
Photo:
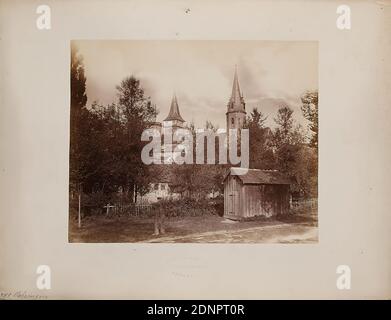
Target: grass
136	229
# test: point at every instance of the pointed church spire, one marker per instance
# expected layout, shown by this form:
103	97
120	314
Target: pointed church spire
236	101
236	96
174	111
236	107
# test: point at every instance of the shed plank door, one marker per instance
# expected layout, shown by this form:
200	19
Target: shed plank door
233	197
234	205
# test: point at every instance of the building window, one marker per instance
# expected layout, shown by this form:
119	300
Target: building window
156	186
232	121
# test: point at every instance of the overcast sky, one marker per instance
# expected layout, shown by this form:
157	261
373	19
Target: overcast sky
201	73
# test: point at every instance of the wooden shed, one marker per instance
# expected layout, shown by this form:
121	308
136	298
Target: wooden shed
255	193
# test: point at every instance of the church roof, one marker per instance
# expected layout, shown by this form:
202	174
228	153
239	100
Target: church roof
174	111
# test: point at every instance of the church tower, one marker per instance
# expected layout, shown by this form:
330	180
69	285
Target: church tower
171	124
174	116
236	108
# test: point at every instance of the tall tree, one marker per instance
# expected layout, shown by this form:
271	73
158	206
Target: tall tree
78	80
136	113
260	138
257	118
78	115
284	121
293	156
133	102
310	112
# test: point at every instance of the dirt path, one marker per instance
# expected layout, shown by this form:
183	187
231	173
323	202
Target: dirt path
282	233
198	229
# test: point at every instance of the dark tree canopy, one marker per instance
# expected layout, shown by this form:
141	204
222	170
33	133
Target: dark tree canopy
260	138
79	115
78	81
106	141
293	156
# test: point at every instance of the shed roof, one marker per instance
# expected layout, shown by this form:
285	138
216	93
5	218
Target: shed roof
256	176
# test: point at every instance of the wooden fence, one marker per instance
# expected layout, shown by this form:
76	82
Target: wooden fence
132	209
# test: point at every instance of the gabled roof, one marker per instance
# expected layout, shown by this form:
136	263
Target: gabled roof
256	176
174	111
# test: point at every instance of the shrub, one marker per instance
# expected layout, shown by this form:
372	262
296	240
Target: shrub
188	207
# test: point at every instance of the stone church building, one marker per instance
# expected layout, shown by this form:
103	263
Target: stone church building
235	119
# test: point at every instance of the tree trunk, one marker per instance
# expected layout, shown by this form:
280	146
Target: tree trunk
159	221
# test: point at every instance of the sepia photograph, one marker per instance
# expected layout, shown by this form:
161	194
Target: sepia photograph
193	141
192	156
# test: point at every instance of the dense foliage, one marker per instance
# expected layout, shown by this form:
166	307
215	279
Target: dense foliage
105	147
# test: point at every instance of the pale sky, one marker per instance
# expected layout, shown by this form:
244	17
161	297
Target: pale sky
201	74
